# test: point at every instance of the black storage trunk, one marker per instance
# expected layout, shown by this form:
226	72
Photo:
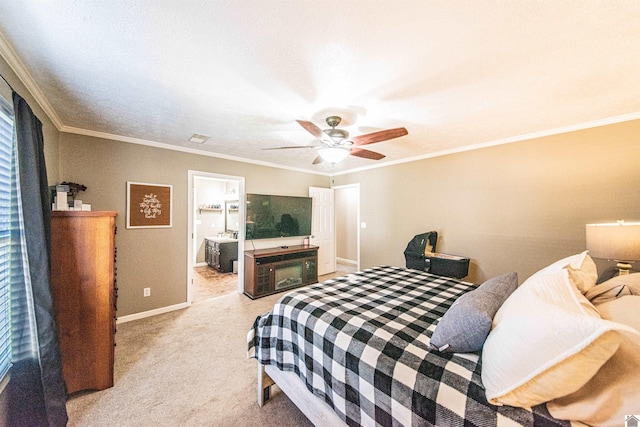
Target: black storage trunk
449	265
414	254
435	263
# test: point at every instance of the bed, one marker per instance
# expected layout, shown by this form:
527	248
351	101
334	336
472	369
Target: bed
395	311
356	350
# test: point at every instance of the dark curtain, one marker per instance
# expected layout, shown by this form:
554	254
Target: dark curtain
37	395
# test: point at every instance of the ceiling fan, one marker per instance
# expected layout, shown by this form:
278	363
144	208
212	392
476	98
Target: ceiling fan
337	144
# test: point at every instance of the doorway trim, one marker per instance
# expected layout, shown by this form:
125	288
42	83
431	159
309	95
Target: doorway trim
191	212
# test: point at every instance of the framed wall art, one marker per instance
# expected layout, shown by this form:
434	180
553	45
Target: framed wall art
149	205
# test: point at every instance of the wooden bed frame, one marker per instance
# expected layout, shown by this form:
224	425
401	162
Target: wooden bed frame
318	412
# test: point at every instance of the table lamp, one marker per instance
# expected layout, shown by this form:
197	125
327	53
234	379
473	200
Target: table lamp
619	241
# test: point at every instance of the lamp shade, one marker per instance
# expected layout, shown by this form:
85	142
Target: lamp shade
617	241
333	154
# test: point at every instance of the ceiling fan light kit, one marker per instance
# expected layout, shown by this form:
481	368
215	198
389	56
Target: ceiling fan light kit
337	144
333	155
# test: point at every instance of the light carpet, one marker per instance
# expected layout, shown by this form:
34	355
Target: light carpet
187	368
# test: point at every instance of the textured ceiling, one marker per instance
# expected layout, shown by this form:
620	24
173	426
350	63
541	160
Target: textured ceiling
456	74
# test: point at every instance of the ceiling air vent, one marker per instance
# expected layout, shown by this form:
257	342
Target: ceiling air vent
198	139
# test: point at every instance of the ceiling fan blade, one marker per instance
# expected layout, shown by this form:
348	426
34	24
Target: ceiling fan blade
291	146
317	160
311	128
366	154
379	136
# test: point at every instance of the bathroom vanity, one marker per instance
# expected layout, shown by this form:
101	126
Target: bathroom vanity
221	252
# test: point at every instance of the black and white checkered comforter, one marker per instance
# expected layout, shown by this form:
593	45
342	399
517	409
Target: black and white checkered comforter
361	343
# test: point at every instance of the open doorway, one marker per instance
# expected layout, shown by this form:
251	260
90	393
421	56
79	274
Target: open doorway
347	224
216	235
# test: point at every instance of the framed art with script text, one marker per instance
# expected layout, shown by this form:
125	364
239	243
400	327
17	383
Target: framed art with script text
149	205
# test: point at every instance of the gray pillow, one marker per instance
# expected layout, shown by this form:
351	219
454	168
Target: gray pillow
466	325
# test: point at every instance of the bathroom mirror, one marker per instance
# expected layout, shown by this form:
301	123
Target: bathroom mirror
232	217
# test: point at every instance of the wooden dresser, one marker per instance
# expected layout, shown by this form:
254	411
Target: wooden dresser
84	295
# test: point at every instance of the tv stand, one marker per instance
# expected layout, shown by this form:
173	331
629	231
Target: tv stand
273	270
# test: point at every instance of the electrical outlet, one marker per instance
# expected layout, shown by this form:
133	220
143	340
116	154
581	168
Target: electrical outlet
147	292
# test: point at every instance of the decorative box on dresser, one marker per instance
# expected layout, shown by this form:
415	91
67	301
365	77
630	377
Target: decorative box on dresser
84	295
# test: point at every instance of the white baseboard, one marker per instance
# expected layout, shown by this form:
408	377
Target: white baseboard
150	313
200	264
346	261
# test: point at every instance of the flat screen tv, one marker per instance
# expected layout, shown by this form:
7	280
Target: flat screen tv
270	216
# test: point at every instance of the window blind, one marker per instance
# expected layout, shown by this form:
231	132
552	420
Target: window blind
6	144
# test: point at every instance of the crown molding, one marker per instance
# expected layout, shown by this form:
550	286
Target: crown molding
148	143
14	62
549	132
502	141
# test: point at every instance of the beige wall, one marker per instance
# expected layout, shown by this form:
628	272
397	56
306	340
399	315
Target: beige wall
157	258
514	207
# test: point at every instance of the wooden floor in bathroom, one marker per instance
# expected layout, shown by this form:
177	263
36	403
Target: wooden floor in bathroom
210	283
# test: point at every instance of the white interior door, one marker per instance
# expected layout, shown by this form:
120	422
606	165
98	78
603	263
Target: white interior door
323	228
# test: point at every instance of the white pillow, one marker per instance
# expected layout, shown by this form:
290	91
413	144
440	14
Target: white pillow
575	261
547	341
614	391
584	277
582	270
